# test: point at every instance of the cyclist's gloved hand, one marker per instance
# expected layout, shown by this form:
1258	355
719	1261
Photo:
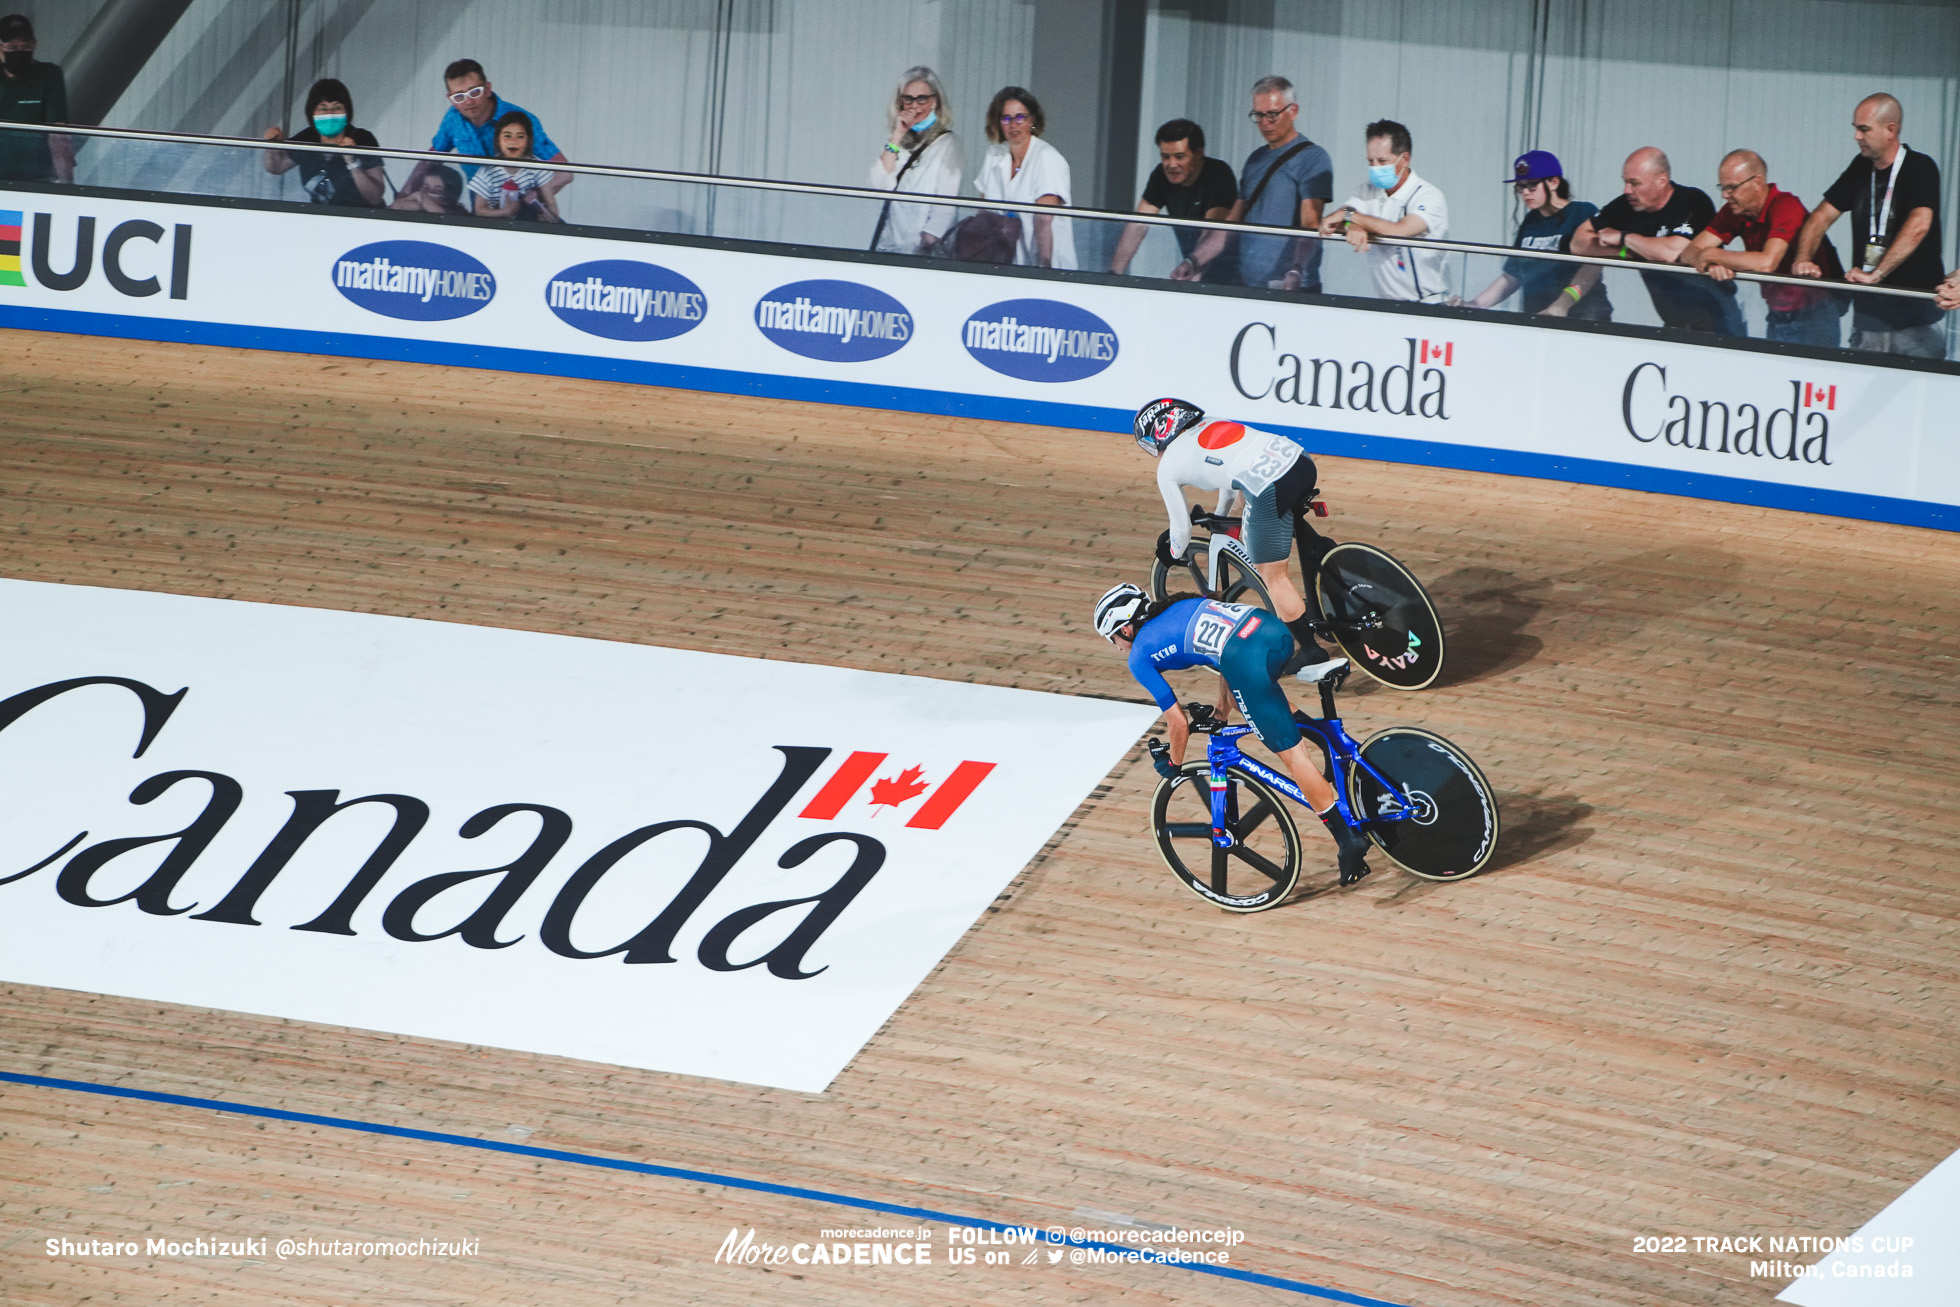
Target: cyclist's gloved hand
1160	758
1164	554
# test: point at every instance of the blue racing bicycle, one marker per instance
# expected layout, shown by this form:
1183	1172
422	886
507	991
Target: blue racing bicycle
1224	827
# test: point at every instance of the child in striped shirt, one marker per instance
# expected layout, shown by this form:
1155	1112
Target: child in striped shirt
506	190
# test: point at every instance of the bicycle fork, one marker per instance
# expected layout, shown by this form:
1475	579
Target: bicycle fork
1221	802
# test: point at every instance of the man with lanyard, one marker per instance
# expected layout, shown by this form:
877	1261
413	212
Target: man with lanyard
1247	649
1652	222
1277	479
1396	202
470	126
1897	234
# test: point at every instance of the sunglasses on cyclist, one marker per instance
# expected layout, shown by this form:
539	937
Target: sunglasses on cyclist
467	97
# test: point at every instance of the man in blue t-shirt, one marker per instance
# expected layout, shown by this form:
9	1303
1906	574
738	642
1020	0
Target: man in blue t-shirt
470	126
1285	183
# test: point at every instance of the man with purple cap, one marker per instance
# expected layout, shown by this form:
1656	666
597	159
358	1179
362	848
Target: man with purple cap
1547	286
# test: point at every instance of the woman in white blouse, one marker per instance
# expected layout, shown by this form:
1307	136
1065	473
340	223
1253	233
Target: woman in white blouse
921	156
1021	166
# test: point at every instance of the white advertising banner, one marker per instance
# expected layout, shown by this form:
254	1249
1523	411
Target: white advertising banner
1734	423
686	862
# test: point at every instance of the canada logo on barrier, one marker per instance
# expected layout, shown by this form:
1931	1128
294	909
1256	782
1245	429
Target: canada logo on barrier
414	280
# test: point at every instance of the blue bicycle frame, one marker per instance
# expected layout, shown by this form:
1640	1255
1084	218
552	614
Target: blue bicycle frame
1222	751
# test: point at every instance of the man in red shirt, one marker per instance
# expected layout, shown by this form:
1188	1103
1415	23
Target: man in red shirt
1768	220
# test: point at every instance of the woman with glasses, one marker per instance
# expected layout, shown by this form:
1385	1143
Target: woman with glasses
1021	167
921	156
1547	286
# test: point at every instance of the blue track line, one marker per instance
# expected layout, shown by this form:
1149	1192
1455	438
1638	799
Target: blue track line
677	1173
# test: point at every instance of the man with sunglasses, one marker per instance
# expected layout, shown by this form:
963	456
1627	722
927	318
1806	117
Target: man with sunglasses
1768	220
470	126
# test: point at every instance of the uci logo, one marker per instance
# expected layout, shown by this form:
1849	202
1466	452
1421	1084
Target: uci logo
1040	340
133	257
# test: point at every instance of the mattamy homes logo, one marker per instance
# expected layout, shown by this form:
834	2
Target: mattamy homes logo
1040	340
837	321
625	299
132	256
414	280
506	838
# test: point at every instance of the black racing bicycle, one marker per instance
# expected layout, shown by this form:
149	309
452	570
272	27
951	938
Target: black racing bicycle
1361	598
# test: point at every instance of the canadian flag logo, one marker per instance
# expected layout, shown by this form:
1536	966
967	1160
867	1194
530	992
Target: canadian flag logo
889	793
1824	397
1434	352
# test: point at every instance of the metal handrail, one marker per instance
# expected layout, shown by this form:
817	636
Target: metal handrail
961	202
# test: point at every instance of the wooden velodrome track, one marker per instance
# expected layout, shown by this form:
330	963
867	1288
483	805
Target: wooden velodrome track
1709	987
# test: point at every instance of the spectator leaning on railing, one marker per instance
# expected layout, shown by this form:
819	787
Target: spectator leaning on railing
1396	202
31	92
1652	221
1186	183
358	179
470	126
921	156
1892	193
1552	216
1021	167
1285	183
1768	220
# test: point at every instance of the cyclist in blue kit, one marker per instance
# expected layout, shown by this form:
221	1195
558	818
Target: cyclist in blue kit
1247	647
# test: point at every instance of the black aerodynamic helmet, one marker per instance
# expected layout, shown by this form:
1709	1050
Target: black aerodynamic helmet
1162	420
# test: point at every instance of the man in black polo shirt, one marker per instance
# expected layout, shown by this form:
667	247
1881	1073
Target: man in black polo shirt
31	92
1892	193
1186	183
1653	221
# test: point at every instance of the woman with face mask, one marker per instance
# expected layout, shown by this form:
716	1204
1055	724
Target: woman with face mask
331	178
922	156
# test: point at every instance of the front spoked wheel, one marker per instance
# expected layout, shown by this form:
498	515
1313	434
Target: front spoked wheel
1357	582
1452	826
1261	867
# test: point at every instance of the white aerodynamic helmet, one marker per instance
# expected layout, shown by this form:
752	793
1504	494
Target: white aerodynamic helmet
1119	604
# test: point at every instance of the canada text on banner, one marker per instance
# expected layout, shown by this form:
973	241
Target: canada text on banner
685	862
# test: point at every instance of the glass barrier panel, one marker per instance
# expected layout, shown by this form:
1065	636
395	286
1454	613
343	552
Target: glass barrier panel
1837	315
